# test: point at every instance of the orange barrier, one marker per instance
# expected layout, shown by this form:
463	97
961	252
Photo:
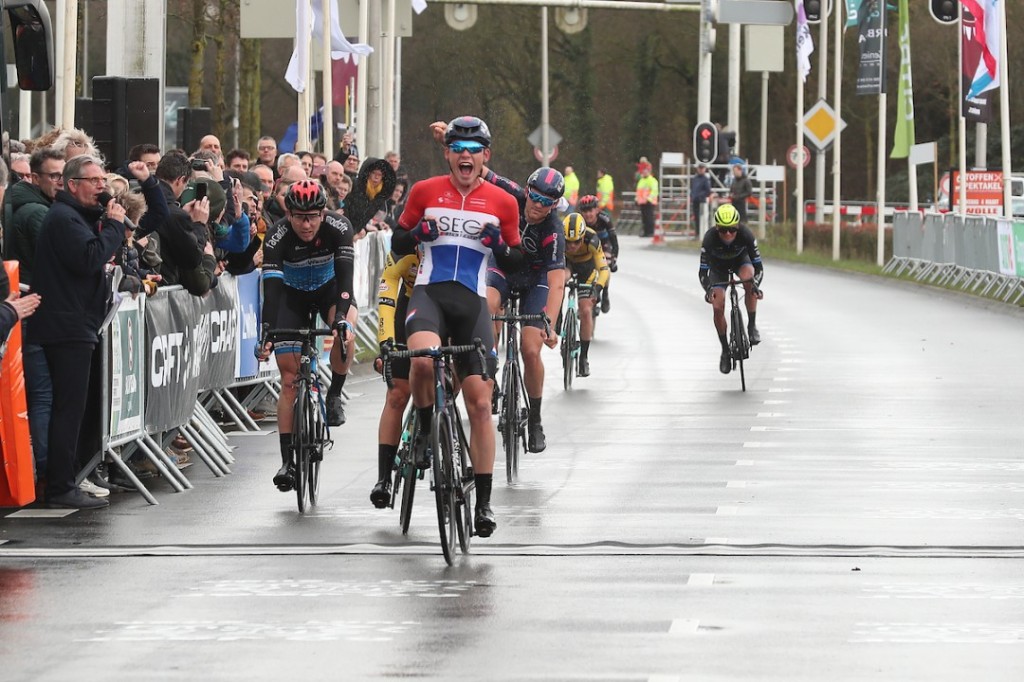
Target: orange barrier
17	482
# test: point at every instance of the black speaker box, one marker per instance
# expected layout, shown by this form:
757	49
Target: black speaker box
125	112
193	125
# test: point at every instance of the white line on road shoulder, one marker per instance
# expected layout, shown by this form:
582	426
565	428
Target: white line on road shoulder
701	580
684	626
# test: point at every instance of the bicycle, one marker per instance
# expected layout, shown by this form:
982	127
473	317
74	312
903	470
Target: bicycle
310	433
513	414
739	344
450	463
570	348
405	471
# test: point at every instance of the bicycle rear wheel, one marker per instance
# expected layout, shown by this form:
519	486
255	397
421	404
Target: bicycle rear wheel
445	480
301	440
737	344
569	349
510	432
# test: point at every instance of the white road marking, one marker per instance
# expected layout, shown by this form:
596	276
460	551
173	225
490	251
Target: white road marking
770	414
745	462
236	630
777	402
761	444
781	390
716	541
41	513
664	678
736	484
683	627
938	633
726	511
701	580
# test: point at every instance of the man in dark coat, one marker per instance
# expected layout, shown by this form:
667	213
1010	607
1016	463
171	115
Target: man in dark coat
78	238
183	233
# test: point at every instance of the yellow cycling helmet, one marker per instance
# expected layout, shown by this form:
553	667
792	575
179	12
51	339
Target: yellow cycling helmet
727	216
574	227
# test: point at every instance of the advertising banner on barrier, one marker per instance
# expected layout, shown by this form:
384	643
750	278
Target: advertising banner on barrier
173	365
984	192
216	334
248	286
127	366
1010	235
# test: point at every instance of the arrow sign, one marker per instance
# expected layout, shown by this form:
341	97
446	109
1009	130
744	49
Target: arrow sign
755	12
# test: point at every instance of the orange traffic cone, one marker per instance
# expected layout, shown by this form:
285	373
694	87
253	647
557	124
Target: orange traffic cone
659	234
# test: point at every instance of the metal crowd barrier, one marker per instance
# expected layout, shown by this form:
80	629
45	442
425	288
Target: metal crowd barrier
971	253
170	359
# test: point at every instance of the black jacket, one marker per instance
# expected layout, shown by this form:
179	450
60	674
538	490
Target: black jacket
74	247
359	208
181	240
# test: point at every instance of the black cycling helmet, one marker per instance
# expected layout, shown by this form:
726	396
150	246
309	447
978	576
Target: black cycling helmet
468	128
547	181
305	196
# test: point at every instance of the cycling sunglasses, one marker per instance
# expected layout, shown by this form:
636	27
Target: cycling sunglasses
731	230
542	199
466	146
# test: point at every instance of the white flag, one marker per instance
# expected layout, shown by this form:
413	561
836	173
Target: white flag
309	23
804	44
419	5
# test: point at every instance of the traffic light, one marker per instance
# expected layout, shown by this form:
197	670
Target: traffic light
945	11
812	8
705	142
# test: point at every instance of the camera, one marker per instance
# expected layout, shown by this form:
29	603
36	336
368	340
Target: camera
198	164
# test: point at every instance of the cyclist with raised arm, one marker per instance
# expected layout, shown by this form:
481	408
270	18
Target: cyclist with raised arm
459	220
584	258
730	248
307	269
600	222
540	283
396	285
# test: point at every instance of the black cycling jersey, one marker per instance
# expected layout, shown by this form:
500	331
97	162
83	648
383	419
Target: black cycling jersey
544	243
606	232
309	267
720	257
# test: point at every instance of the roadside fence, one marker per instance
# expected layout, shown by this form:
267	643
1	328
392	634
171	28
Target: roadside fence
972	253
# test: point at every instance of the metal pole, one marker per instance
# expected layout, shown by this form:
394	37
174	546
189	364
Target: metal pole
25	114
397	143
545	143
85	50
389	81
821	156
704	68
327	86
362	74
882	99
912	182
302	42
764	151
1004	111
58	68
837	156
70	65
981	145
961	127
734	83
800	164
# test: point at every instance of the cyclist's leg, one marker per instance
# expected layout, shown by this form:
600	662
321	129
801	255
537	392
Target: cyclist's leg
719	277
293	313
497	294
535	301
424	325
746	271
389	430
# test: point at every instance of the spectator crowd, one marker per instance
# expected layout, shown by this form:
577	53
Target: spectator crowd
80	226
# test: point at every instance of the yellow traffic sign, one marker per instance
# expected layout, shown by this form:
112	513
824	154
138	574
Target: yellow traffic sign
820	124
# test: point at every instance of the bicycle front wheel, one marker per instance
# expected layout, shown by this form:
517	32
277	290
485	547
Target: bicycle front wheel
301	439
464	493
316	450
738	344
510	420
445	481
569	342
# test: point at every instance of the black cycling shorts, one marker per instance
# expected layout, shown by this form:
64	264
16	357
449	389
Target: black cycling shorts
532	291
457	315
719	270
583	272
299	310
400	366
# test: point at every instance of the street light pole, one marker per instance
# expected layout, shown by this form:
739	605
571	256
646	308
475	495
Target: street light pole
545	146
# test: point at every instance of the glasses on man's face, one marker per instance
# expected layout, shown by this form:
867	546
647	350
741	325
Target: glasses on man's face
96	181
54	177
542	199
729	230
465	146
307	217
267	148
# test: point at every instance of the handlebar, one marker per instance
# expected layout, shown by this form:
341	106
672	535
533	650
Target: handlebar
267	334
435	353
533	317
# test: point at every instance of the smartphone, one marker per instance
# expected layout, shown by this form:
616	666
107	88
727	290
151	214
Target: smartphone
200	190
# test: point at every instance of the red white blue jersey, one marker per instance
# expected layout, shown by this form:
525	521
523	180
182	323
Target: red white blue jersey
457	254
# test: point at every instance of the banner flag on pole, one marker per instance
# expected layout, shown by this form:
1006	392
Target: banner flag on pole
904	133
310	21
419	5
871	38
804	44
980	54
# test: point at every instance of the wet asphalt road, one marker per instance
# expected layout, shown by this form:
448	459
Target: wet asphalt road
857	514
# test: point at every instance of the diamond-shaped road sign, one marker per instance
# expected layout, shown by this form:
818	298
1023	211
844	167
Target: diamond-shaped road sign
553	137
755	12
820	124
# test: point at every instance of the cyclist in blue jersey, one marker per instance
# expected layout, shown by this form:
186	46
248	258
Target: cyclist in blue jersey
307	270
539	284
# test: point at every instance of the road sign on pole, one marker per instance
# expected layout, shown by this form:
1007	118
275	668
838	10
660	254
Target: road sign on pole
798	156
755	12
821	124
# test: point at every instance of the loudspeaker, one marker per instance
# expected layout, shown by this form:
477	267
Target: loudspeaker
83	114
193	125
125	112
